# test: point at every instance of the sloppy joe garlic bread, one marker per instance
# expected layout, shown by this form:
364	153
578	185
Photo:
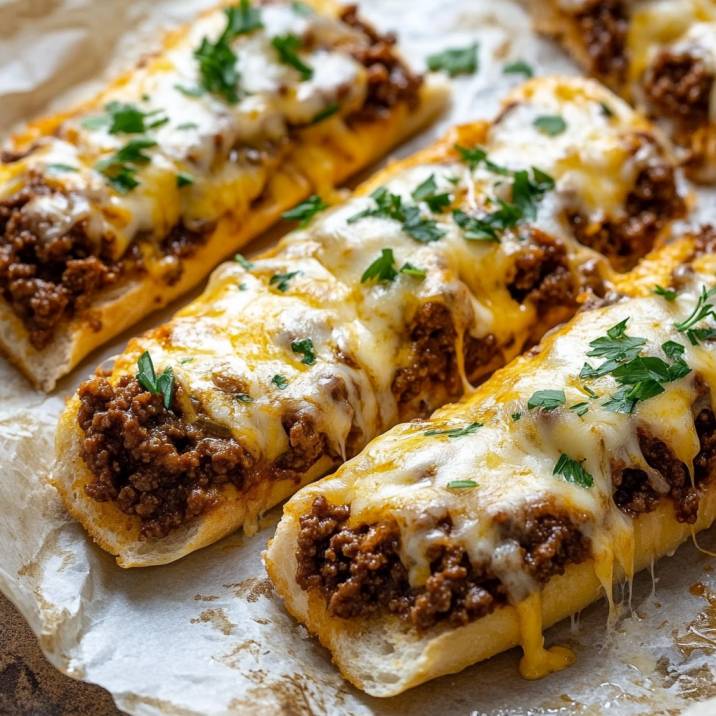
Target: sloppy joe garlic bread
113	209
659	54
439	270
449	540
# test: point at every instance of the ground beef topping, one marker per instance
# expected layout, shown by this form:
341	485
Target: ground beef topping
359	571
433	360
652	203
47	280
390	81
678	85
634	493
541	273
604	25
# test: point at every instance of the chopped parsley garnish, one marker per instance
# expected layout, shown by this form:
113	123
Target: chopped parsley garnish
244	262
703	310
546	399
572	471
579	408
550	124
244	398
300	8
124	118
382	269
526	193
189	91
409	270
58	167
184	361
668	293
305	348
217	61
281	280
158	385
455	61
519	67
616	348
328	111
390	206
515	417
306	210
461	484
242	19
279	381
639	377
120	168
455	432
423	230
286	47
187	125
474	156
607	111
428	192
184	179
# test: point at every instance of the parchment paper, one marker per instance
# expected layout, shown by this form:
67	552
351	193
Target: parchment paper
207	635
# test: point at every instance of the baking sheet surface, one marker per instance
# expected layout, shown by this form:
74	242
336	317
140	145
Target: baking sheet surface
207	635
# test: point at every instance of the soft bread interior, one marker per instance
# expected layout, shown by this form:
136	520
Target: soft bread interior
384	658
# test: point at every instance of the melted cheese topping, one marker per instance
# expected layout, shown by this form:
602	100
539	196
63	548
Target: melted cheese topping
406	474
244	325
676	24
227	149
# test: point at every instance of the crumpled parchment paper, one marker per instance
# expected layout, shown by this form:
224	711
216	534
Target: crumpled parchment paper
207	635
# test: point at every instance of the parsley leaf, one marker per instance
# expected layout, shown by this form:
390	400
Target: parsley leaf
455	61
474	156
572	471
550	124
184	179
281	280
244	398
217	69
242	19
305	211
527	192
120	168
286	47
703	310
129	119
390	206
423	230
244	262
409	270
455	432
162	385
279	381
305	348
546	399
217	61
58	167
427	192
668	293
382	269
519	67
461	484
328	111
189	91
516	416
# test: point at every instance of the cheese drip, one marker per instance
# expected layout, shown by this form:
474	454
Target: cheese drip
416	471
